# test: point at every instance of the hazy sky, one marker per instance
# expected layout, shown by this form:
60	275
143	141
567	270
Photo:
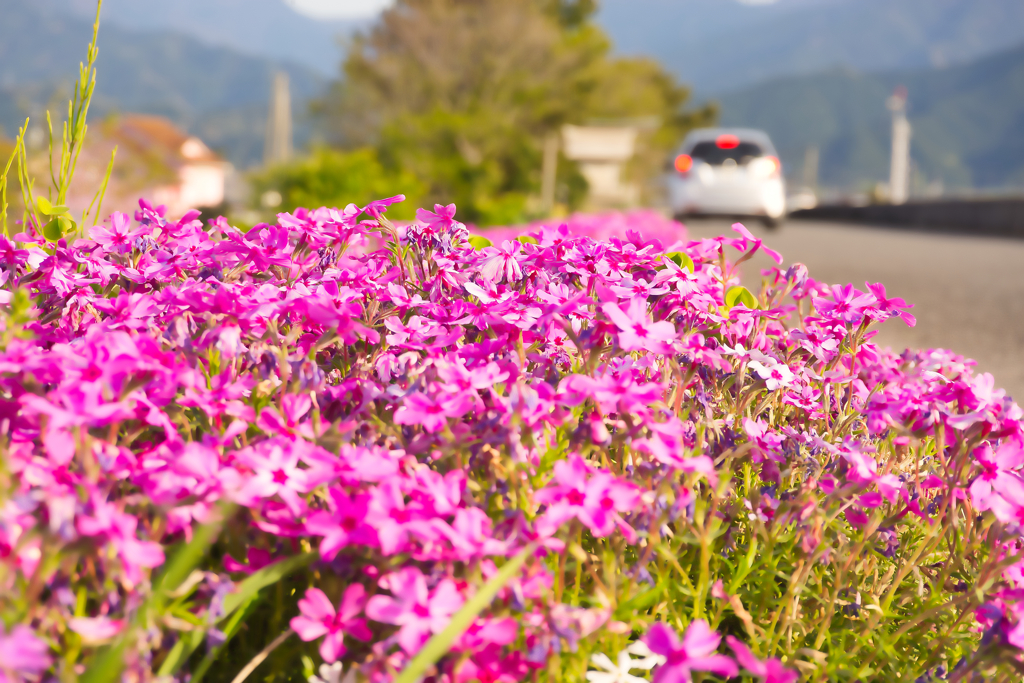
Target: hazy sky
354	9
339	9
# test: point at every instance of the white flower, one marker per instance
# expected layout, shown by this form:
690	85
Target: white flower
649	661
619	672
331	673
774	374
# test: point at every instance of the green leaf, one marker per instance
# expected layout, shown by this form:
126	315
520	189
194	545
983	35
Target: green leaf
57	228
640	601
263	578
526	239
44	206
740	295
439	645
186	558
681	260
106	666
182	650
479	242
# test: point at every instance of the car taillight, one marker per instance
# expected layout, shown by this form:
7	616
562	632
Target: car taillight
683	163
766	167
727	141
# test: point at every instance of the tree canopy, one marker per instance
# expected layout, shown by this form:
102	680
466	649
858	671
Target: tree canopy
462	92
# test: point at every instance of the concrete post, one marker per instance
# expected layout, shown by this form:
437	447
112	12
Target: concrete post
899	169
278	146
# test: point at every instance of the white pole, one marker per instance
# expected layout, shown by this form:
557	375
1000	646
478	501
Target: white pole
549	173
278	148
899	169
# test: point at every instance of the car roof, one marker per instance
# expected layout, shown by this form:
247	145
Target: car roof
758	137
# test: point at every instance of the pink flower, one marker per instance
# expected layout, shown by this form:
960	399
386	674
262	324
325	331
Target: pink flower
637	332
417	611
999	487
775	375
96	629
378	207
694	653
433	412
319	618
771	670
345	524
258	558
890	307
22	654
119	236
595	498
500	263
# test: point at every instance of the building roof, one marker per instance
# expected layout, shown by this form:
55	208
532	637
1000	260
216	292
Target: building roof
158	134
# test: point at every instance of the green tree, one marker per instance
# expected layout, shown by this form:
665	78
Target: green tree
335	178
462	93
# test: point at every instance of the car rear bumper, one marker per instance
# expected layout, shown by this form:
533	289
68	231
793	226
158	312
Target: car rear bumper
760	199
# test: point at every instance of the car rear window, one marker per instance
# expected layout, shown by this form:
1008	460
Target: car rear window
709	152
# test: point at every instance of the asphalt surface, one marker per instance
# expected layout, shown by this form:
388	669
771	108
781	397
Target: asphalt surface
968	292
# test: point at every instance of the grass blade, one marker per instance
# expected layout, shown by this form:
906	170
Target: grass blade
439	645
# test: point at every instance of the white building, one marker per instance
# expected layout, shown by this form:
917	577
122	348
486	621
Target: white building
199	172
602	153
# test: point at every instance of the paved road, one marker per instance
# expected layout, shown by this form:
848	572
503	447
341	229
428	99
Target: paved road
968	292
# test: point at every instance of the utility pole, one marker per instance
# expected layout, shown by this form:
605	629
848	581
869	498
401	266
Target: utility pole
549	173
278	146
899	169
811	160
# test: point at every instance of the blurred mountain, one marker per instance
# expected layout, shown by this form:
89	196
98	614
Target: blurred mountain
265	28
967	121
215	92
720	45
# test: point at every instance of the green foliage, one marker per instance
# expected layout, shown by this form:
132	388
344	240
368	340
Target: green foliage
740	295
335	178
59	223
463	94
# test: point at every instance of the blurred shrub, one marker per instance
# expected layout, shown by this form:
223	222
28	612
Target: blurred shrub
334	178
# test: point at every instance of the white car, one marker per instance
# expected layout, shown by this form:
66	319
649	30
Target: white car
727	172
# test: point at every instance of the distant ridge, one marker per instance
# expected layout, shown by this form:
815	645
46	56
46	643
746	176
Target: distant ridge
721	45
967	122
211	91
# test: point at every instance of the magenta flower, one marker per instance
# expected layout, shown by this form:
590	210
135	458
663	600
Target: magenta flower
771	670
119	236
694	653
636	330
378	207
433	412
501	263
22	654
319	618
890	307
345	524
999	487
417	611
595	498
